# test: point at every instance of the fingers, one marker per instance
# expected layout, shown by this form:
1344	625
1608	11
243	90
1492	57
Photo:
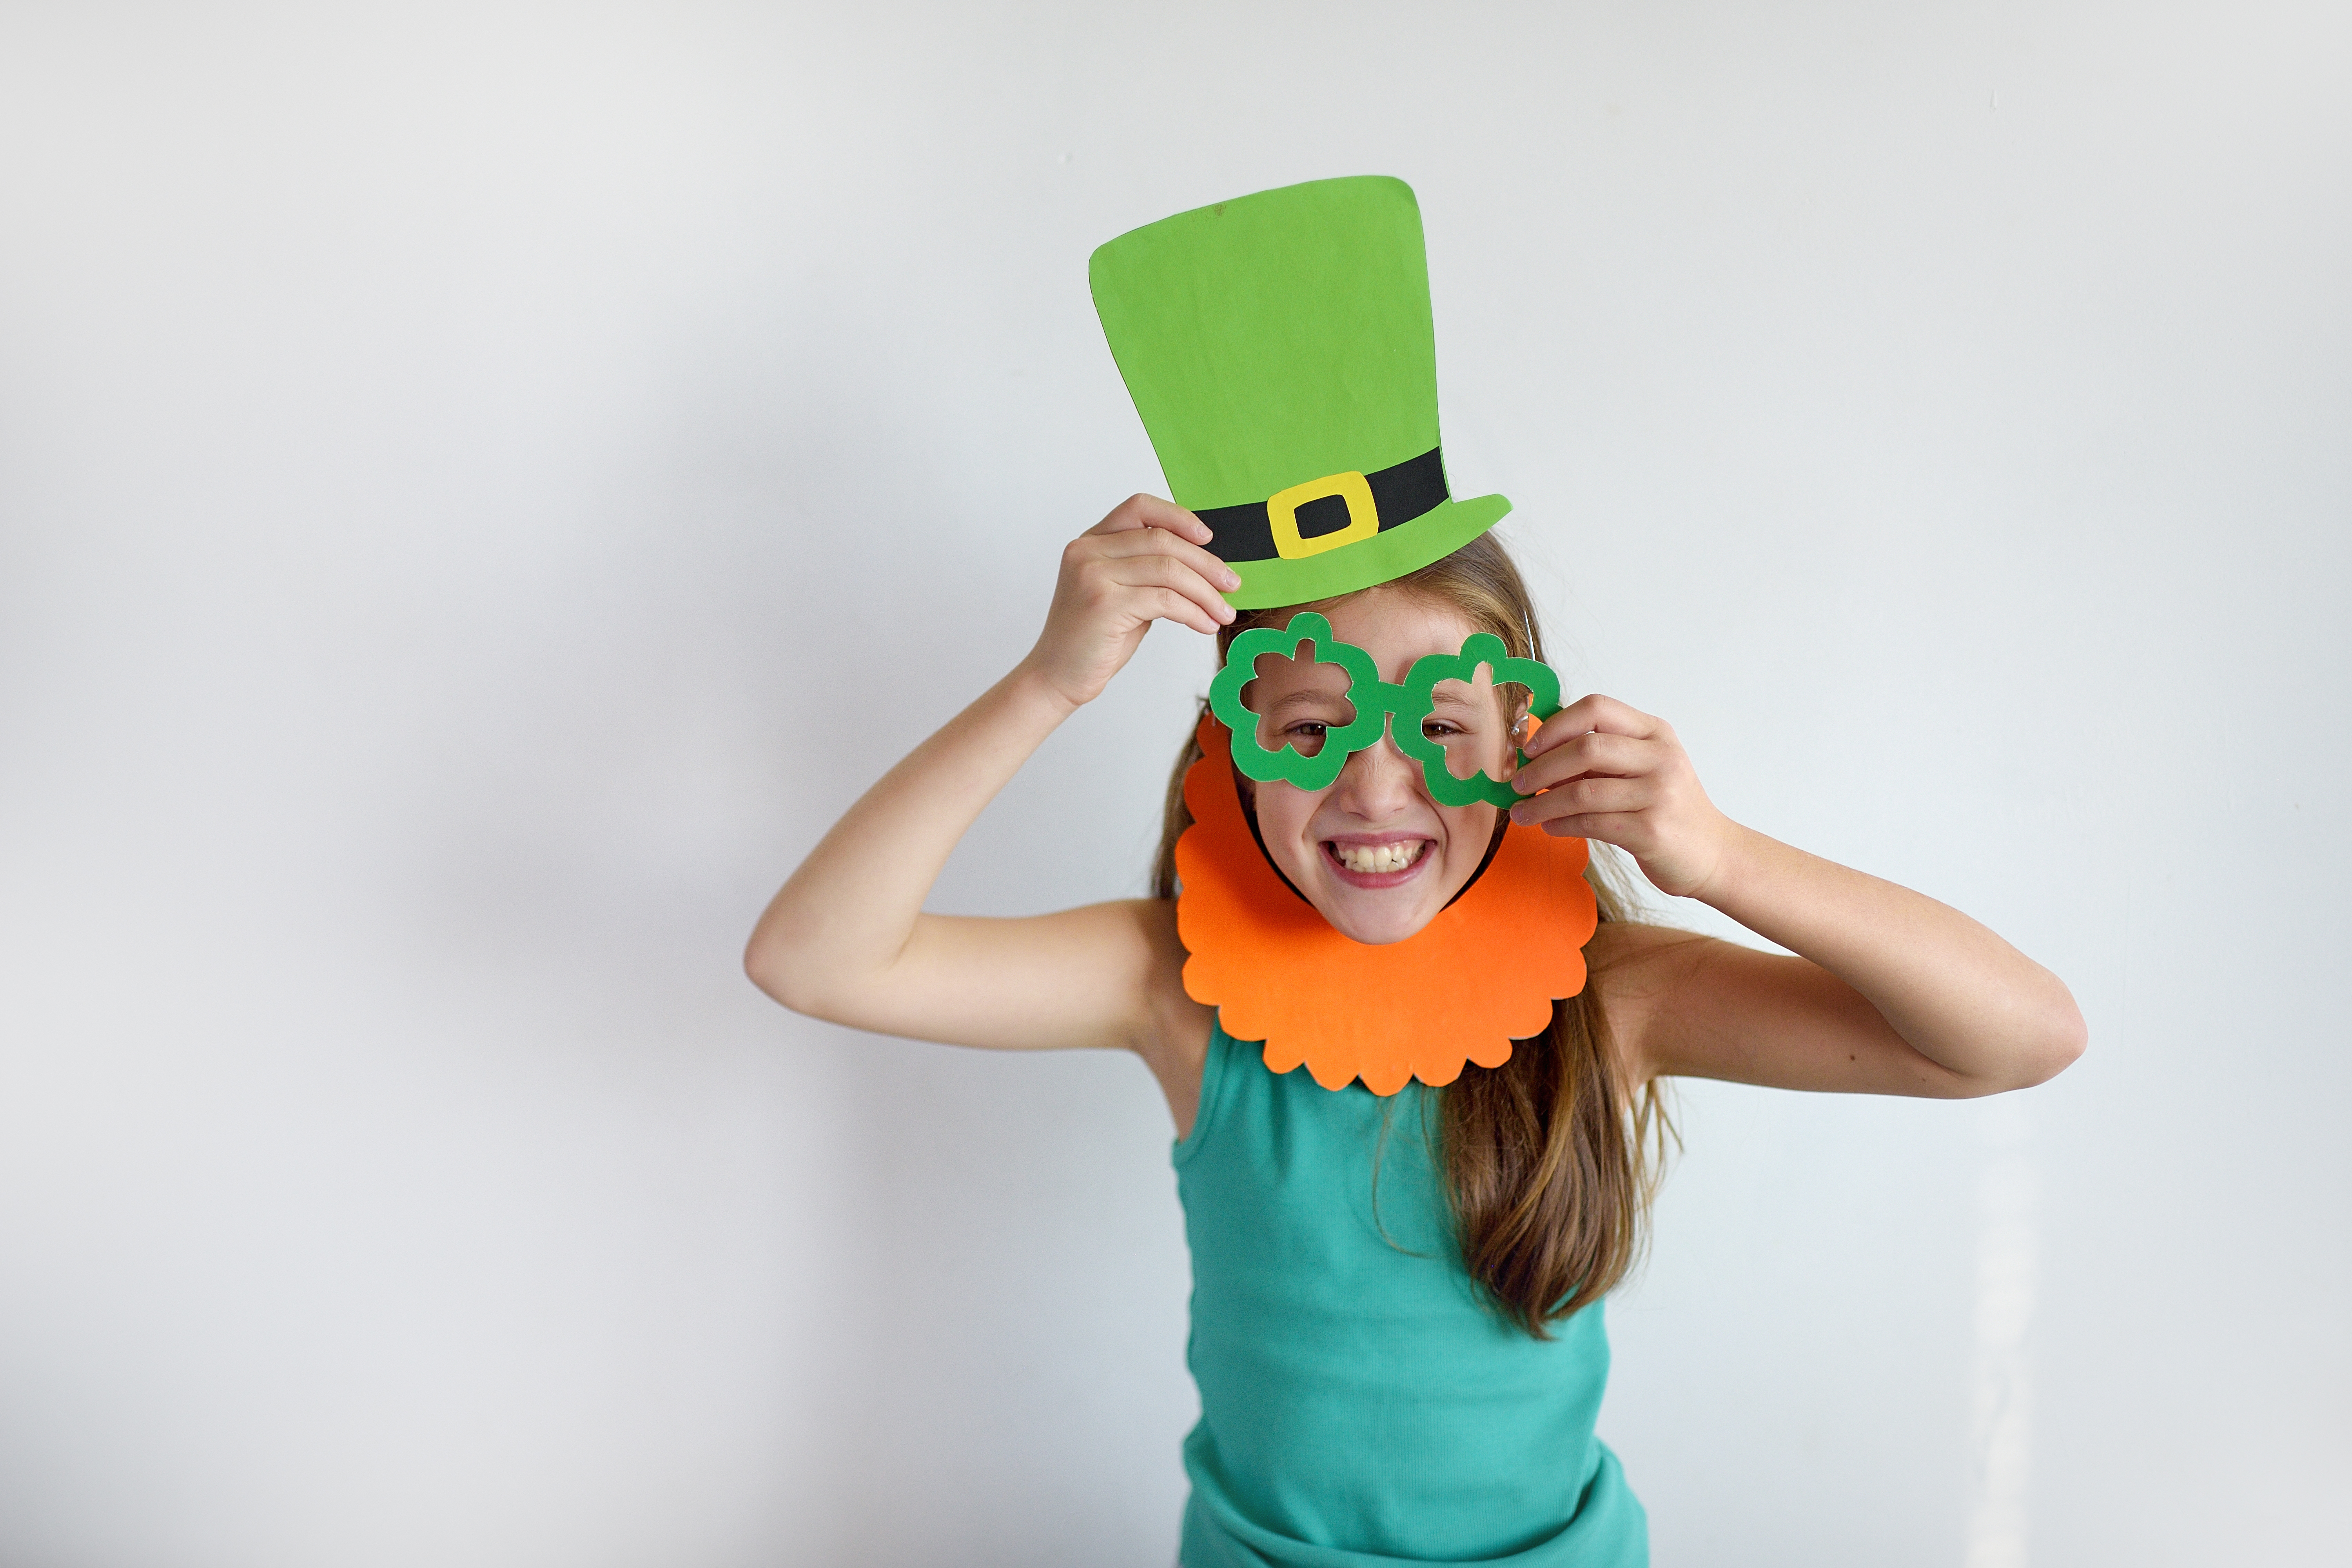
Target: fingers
1620	828
1616	775
1589	713
1168	605
1595	772
1594	752
1166	542
1147	543
1125	550
1586	796
1150	512
1169	574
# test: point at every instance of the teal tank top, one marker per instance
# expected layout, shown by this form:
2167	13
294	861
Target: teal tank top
1359	1406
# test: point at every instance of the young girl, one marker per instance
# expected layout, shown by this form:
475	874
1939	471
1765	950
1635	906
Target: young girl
1399	1254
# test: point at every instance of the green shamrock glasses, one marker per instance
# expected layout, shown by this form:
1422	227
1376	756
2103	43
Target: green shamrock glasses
1318	763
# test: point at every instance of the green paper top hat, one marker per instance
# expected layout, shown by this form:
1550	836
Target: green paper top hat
1279	349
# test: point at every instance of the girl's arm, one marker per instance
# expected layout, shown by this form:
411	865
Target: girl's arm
1892	993
847	939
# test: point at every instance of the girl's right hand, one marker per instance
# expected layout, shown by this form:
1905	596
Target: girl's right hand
1142	563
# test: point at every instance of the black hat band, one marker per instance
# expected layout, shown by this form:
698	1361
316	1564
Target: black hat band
1412	488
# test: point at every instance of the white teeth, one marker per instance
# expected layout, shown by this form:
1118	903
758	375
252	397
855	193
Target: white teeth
1374	857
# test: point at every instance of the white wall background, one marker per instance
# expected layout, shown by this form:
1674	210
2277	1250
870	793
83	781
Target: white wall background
481	488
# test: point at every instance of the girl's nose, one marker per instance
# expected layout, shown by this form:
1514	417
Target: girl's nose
1379	781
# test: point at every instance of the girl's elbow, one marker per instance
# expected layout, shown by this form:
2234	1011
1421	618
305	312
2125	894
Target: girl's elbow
2074	1039
772	966
2029	1053
2058	1044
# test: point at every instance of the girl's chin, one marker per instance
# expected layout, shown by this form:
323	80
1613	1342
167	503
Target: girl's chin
1374	928
1376	917
1380	938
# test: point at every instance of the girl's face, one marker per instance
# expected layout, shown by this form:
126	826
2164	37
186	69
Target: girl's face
1373	853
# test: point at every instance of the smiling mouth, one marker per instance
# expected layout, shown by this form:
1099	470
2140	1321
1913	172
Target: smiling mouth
1377	864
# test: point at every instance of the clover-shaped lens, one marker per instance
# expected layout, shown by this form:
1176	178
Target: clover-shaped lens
1472	720
1297	700
1458	713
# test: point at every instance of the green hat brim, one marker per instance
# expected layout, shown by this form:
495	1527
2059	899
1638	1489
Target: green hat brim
1386	556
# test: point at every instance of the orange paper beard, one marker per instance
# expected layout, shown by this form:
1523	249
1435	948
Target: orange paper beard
1484	973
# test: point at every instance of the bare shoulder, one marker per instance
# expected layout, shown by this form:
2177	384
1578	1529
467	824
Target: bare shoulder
1634	965
1643	977
1174	1040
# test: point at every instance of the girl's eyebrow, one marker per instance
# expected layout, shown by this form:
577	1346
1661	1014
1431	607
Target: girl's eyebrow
1303	697
1458	700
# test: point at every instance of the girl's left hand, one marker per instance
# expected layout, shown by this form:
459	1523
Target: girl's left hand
1611	773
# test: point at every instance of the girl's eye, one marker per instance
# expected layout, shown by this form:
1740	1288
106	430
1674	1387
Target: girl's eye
1304	736
1437	728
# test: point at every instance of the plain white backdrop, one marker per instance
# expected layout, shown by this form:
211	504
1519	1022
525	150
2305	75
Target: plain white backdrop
481	488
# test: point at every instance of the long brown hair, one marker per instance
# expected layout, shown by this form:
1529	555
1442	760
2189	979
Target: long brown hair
1550	1160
